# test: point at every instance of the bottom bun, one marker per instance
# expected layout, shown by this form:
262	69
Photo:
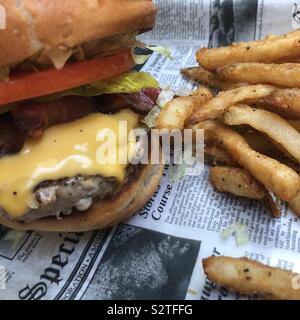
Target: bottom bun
102	214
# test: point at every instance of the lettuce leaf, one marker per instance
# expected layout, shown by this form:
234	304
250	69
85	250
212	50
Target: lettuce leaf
165	52
59	57
141	59
239	231
129	82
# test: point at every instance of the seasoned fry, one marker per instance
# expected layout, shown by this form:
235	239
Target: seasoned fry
277	177
285	102
268	50
218	105
176	112
282	75
252	278
241	183
269	123
262	144
237	181
218	156
295	124
272	204
210	78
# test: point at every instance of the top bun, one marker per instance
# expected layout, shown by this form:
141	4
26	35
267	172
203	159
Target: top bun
34	25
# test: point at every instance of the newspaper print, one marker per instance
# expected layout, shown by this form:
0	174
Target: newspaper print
158	252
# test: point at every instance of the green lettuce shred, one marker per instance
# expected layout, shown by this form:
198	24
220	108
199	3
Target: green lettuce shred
165	52
141	59
239	231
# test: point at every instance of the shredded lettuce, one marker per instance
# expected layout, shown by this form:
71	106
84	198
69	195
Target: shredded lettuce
177	172
241	236
239	231
151	118
129	82
59	57
165	96
183	92
165	52
141	59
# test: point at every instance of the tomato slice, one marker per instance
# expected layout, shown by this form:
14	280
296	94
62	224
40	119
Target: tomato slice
30	85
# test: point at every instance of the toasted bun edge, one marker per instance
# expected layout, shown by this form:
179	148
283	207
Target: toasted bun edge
34	25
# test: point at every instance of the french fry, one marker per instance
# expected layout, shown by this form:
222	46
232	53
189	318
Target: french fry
241	183
275	176
219	104
218	156
176	112
272	204
295	124
237	181
252	278
209	78
262	144
268	50
269	123
285	102
282	75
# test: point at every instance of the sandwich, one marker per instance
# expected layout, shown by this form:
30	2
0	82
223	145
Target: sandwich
66	79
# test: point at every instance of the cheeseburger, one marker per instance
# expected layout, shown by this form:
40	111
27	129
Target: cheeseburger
65	79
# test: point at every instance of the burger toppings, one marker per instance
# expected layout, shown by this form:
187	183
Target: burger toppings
143	100
24	86
11	140
54	126
59	140
33	119
65	150
59	56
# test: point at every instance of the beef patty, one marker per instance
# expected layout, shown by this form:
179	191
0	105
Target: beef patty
61	197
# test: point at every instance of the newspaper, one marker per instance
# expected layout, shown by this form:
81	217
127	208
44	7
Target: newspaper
157	254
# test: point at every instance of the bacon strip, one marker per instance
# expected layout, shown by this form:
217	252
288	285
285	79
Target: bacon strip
32	120
143	100
111	103
11	140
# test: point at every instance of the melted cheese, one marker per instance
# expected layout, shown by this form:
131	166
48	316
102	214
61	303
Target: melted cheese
63	151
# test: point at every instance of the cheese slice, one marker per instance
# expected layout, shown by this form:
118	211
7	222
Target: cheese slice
65	150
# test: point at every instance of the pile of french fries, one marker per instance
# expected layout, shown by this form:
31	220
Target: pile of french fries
252	129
